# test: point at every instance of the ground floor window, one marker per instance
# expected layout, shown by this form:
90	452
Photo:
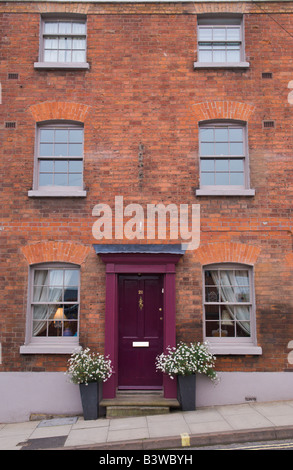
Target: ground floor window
54	301
228	303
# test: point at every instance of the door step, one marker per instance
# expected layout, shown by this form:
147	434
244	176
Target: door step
138	403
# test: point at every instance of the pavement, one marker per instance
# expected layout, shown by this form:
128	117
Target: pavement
216	425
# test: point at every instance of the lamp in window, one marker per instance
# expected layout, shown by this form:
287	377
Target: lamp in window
58	317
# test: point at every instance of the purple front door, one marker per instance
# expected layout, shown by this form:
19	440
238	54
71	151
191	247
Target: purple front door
140	330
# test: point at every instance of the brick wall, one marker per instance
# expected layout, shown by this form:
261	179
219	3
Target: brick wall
141	89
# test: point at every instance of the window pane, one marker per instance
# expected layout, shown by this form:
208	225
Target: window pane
78	56
205	34
75	150
233	56
65	43
46	166
221	135
51	27
207	179
237	179
219	56
61	135
233	34
71	277
206	135
211	278
242	277
205	55
219	34
61	179
222	165
212	294
61	166
46	135
71	312
78	28
207	148
78	43
46	179
55	294
56	277
236	164
236	148
75	166
221	148
70	294
75	135
50	56
236	135
65	27
46	150
40	294
75	179
60	150
222	179
40	312
212	312
207	165
51	43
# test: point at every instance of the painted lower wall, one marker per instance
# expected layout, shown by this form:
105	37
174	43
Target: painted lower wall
26	393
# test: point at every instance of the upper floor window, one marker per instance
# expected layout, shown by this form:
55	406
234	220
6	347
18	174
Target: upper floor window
224	158
229	312
220	42
59	160
53	308
62	43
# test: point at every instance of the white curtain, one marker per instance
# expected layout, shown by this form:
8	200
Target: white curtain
233	284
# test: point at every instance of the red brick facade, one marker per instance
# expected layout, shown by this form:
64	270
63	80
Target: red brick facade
142	90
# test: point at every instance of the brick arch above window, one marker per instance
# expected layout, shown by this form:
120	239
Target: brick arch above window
228	110
228	253
59	110
48	252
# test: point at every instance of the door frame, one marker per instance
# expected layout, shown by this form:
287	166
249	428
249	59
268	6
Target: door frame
133	263
139	278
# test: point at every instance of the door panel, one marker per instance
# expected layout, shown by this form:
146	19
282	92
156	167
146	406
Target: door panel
140	330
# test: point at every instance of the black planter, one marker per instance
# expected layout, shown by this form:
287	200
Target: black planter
90	399
187	392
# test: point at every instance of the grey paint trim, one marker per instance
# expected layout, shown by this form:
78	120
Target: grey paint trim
135	248
225	192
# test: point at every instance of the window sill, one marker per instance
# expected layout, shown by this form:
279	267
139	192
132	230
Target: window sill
62	65
221	65
43	193
225	192
49	348
228	349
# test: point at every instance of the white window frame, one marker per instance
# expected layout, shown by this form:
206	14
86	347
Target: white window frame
225	190
49	344
42	64
232	345
55	191
221	21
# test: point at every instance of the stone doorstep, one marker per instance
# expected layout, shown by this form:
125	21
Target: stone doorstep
138	404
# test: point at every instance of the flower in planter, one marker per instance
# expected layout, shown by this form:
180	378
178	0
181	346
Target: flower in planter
85	367
187	359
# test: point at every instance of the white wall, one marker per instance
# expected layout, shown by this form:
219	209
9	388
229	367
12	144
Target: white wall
24	393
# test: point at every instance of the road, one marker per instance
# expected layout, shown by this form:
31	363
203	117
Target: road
264	445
